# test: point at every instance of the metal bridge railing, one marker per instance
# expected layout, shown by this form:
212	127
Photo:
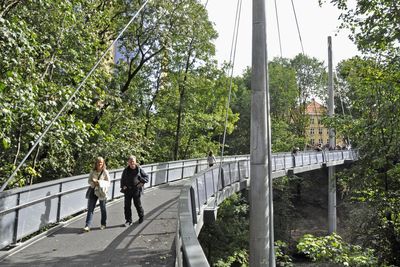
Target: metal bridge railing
24	211
201	190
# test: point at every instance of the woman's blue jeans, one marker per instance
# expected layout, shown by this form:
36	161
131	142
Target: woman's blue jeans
91	205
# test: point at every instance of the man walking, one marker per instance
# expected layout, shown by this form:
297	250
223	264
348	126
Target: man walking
132	182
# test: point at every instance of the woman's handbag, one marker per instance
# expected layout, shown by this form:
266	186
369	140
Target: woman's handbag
90	192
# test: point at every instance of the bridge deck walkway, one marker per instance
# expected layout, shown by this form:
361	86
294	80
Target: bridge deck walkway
148	244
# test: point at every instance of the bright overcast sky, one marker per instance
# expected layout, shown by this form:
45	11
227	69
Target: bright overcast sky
315	23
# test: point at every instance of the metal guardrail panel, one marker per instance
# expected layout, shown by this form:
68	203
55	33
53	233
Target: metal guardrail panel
36	216
208	178
188	170
175	172
201	191
25	210
73	202
161	174
231	172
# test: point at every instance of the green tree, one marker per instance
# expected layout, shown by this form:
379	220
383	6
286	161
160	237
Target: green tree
226	241
40	67
333	249
373	24
311	81
373	95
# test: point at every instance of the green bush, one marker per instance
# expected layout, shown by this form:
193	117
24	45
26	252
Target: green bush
332	249
281	251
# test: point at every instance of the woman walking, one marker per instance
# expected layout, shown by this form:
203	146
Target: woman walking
99	181
211	159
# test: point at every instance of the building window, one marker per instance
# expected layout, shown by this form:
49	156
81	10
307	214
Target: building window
320	130
320	141
312	120
319	121
327	131
327	141
312	141
311	130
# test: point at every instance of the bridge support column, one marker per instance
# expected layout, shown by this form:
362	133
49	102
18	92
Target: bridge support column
262	251
332	143
331	200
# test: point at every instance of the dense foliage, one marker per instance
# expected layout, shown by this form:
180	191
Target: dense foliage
225	241
228	236
159	96
332	249
371	96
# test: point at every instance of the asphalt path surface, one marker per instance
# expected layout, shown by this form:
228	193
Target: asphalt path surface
150	243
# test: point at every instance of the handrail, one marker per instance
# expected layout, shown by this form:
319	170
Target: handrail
191	204
26	210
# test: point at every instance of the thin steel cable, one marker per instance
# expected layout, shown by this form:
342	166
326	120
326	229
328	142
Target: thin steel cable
232	65
269	167
277	24
298	29
71	97
341	102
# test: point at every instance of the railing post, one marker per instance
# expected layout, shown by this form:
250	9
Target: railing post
238	169
113	189
15	233
213	181
151	176
59	203
167	172
205	186
198	194
221	172
284	161
183	169
294	160
231	174
193	205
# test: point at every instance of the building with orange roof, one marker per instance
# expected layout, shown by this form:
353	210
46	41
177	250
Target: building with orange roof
316	132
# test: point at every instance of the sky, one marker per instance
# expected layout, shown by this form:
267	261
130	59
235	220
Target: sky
315	24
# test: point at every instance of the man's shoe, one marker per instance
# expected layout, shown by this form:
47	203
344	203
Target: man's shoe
140	219
102	227
127	223
86	229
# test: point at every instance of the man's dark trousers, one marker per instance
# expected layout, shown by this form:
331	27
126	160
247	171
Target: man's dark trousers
134	194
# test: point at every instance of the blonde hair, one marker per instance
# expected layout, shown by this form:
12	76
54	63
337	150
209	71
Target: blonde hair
98	159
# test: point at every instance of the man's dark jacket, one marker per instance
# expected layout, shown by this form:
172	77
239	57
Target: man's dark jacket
129	175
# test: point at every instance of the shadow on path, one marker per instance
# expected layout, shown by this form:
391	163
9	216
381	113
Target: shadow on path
151	243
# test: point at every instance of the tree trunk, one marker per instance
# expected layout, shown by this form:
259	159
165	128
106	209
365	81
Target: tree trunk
182	87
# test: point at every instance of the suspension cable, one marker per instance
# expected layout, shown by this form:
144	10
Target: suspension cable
297	24
72	97
348	141
232	65
279	31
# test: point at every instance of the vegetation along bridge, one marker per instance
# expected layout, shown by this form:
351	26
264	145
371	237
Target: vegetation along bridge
110	78
180	197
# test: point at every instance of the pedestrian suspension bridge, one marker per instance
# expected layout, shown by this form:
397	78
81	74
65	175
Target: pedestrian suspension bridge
179	199
41	225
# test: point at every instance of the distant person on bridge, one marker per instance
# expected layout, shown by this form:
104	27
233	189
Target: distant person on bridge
99	181
211	159
132	182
